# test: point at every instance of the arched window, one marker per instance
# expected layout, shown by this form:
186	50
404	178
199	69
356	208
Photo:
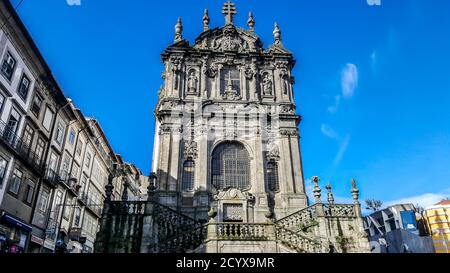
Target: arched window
272	176
188	175
231	166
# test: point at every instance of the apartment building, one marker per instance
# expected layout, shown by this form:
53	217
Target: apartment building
54	162
438	222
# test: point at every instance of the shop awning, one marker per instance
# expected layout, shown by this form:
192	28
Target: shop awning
17	223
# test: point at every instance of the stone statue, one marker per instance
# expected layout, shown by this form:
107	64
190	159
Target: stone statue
267	85
192	83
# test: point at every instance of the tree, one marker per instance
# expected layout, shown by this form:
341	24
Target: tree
373	204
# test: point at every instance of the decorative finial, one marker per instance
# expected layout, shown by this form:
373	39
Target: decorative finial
126	184
229	10
251	22
277	34
109	187
354	191
151	189
330	195
355	195
206	20
178	31
316	190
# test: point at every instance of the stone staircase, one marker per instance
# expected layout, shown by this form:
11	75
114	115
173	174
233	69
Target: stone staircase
147	226
289	231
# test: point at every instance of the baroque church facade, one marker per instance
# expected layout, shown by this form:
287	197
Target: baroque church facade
227	168
225	114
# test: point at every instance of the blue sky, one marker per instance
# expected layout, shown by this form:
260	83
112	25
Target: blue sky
372	82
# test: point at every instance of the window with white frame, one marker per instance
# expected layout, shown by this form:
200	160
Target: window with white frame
28	136
59	133
40	147
75	170
88	159
77	217
65	168
68	208
29	192
2	102
36	106
24	87
48	118
72	136
8	66
16	181
83	183
43	201
79	147
3	165
12	125
53	163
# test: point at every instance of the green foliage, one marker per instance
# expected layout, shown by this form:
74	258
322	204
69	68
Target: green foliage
373	204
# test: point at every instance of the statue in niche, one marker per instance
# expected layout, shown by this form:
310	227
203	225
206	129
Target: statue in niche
267	85
192	82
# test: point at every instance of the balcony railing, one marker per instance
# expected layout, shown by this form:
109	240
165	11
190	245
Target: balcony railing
52	178
15	142
83	198
70	183
92	206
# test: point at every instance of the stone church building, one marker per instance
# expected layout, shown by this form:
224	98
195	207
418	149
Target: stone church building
227	167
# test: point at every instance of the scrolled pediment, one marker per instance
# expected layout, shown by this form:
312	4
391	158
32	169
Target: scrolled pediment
228	39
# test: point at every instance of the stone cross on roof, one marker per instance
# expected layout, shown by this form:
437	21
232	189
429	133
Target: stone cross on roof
229	10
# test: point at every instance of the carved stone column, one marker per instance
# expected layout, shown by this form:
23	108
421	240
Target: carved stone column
204	79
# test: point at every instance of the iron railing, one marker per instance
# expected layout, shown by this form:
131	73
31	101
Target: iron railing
68	181
52	178
23	150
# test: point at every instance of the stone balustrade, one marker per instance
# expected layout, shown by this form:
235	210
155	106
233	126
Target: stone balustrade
298	242
339	210
243	231
304	217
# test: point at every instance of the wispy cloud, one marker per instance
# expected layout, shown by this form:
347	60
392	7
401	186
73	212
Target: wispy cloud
73	2
349	80
424	200
342	149
329	132
333	108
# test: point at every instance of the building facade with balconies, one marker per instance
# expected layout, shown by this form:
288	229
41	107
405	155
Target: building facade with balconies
54	162
29	101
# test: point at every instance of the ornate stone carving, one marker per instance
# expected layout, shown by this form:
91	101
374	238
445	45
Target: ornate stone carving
210	71
178	31
169	105
273	152
230	93
289	132
176	62
230	135
250	71
192	82
205	20
287	109
267	85
167	129
228	42
232	212
190	149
